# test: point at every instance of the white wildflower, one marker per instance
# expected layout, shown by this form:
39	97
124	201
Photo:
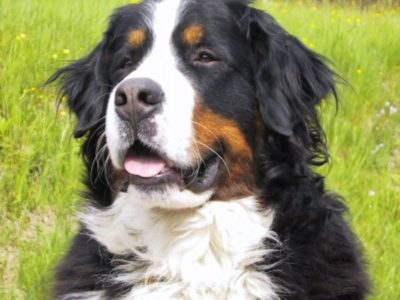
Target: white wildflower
378	147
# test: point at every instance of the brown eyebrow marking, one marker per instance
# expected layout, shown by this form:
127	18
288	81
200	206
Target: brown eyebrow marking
193	34
136	37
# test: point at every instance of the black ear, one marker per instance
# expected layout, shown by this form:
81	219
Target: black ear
83	85
290	79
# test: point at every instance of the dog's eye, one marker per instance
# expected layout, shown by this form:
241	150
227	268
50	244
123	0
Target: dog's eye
205	57
126	63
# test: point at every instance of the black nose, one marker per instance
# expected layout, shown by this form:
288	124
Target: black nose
137	99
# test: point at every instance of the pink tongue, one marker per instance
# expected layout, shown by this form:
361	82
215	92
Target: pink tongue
143	166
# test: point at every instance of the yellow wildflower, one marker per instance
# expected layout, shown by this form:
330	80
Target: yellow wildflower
20	36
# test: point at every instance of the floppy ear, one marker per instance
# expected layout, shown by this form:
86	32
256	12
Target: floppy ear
290	79
83	85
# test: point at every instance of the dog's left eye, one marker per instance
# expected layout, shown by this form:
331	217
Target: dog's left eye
204	57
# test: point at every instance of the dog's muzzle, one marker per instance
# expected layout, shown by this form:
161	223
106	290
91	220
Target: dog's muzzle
136	102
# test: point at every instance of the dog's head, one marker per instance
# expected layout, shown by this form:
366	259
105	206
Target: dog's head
186	101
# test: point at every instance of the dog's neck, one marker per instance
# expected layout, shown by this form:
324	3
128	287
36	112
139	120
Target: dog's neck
203	252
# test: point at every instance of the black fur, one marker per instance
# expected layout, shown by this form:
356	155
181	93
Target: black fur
282	81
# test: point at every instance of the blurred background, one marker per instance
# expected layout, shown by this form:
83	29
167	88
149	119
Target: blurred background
40	166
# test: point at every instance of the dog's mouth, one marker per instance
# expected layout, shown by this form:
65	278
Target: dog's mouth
147	168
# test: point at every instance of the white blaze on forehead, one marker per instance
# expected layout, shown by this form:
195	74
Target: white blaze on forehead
174	122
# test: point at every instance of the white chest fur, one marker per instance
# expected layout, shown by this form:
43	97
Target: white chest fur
203	253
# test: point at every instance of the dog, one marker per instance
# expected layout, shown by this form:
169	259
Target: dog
200	128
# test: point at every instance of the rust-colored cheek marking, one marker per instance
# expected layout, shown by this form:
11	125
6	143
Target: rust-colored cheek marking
209	129
193	34
136	38
210	126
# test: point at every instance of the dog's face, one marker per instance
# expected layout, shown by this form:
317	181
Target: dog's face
179	95
185	96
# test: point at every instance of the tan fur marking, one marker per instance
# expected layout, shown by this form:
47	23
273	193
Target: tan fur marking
210	128
193	34
136	38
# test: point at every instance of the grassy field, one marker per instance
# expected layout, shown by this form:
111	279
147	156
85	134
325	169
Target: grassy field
40	167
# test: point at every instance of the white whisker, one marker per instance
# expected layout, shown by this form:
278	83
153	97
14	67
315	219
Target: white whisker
217	154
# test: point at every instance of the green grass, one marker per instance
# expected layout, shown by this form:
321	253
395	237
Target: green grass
40	166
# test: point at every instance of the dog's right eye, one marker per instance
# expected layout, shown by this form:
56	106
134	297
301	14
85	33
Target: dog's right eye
126	63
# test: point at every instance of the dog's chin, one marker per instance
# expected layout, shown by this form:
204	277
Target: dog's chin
151	180
166	197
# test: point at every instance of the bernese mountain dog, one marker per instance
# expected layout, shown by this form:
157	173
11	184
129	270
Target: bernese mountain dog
201	135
